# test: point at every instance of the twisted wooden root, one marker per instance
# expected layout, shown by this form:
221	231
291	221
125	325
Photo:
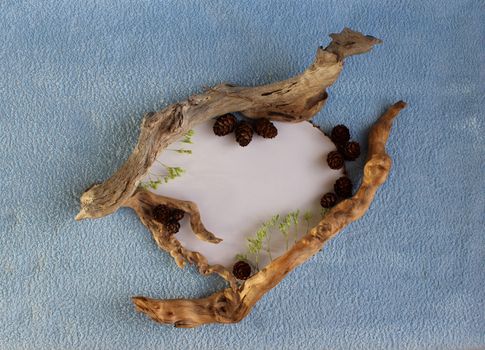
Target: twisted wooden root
143	202
230	306
292	100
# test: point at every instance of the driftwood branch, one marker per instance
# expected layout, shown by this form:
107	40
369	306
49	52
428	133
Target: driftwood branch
230	306
293	100
143	202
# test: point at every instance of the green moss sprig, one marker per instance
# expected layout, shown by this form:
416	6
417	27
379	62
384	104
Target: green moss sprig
307	216
188	137
285	228
181	150
268	226
262	238
255	245
242	257
324	211
172	172
294	218
260	241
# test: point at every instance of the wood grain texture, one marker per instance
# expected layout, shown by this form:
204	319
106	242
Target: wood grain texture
292	100
229	305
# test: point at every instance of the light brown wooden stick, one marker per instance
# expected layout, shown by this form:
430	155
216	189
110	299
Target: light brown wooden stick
230	306
143	202
292	100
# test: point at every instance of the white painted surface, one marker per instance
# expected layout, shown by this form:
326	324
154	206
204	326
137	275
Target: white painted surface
237	189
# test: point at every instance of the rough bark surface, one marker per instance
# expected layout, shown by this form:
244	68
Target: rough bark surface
229	305
292	100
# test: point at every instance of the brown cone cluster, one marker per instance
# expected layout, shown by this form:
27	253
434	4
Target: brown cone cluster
244	133
168	217
335	160
328	200
346	151
161	213
351	150
224	124
227	123
178	214
241	270
340	134
265	128
172	227
343	187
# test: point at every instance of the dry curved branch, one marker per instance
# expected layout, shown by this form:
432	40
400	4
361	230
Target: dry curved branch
143	202
230	306
292	100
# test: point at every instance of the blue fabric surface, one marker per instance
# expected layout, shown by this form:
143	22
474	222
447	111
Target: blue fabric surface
75	79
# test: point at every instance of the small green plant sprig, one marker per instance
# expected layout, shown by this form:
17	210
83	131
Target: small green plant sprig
324	211
188	137
181	150
262	239
285	225
294	218
285	228
267	226
172	172
242	257
307	216
256	243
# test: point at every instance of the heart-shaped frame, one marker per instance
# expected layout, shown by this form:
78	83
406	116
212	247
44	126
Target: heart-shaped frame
293	100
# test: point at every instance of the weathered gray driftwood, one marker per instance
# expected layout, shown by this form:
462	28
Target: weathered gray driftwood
293	100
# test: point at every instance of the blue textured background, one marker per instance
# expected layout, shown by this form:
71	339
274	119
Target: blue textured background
74	82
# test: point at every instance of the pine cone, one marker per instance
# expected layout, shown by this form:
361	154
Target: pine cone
172	227
244	133
335	160
177	214
328	200
224	124
351	150
340	134
161	213
265	128
241	270
343	187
